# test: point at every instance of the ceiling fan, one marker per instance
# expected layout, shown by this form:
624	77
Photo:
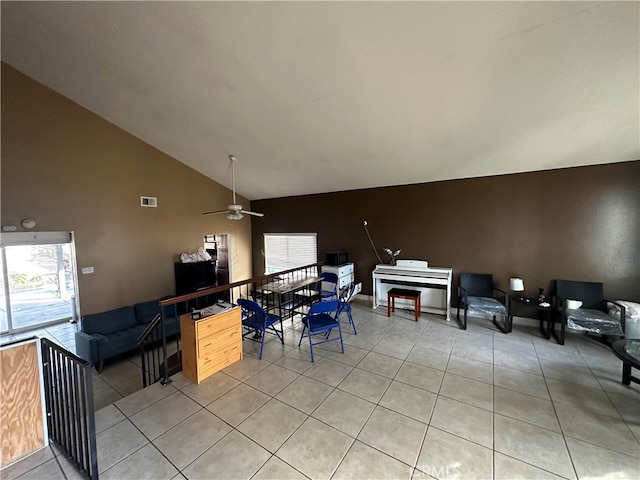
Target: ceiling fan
234	211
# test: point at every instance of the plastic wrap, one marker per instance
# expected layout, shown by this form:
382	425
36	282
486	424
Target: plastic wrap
587	320
632	317
632	309
486	305
632	347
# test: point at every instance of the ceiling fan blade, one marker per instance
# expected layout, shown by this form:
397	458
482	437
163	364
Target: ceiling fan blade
216	212
255	214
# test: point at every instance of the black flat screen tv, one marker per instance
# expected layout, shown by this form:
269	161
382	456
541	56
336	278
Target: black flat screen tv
192	277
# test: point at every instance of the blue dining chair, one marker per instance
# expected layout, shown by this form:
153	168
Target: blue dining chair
329	286
258	322
322	319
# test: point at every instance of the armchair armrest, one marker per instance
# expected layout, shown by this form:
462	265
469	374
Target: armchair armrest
462	294
505	295
622	312
558	304
87	347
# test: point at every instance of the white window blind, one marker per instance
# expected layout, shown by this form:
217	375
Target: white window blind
283	251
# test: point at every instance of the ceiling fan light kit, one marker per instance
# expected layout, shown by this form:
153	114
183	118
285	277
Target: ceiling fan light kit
234	211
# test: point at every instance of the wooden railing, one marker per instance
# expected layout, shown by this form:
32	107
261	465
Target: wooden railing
160	365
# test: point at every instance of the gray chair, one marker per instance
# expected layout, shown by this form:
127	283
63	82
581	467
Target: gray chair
477	294
590	316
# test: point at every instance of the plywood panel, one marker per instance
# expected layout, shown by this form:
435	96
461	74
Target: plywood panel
21	419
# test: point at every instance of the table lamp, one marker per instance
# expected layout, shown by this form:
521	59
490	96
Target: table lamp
516	284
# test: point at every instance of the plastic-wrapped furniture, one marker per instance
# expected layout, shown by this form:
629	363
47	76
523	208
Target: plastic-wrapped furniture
631	317
346	295
259	323
322	319
582	306
477	294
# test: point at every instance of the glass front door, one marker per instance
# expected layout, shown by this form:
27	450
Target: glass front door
38	285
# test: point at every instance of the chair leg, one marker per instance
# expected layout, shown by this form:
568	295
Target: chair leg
262	344
280	334
353	325
340	332
310	343
554	333
503	329
464	321
302	335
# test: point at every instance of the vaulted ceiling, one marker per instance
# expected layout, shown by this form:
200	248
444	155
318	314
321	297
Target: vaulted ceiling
328	96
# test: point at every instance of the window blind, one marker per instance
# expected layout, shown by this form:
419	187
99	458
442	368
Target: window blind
284	251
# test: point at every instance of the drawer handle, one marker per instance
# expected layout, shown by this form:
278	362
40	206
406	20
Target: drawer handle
207	344
207	361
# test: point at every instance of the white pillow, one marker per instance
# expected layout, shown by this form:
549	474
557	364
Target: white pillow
573	304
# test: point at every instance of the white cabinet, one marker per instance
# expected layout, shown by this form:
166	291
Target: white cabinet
344	273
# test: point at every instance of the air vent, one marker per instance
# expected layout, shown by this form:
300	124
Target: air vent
149	201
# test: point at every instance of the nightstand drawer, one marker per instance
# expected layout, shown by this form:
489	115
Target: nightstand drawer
221	359
217	323
214	343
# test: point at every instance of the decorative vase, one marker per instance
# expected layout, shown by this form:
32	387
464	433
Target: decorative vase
541	296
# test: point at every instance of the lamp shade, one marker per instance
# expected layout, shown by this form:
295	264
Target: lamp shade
516	284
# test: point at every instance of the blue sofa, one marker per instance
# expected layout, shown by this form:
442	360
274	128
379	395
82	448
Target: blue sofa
109	334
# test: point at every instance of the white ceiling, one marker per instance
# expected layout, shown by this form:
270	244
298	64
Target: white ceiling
327	96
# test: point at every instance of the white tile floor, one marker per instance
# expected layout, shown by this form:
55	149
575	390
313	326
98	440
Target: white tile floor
405	400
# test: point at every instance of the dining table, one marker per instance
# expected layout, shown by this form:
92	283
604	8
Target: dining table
284	290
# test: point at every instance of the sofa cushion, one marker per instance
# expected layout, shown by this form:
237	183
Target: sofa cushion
109	322
120	342
145	311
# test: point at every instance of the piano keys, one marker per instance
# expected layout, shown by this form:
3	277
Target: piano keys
415	275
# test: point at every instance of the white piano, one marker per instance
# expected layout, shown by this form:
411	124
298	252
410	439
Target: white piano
433	283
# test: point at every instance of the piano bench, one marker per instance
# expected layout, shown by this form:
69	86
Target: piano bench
407	295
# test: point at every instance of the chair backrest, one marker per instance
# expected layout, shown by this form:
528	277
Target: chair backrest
346	294
325	306
253	309
591	294
477	284
332	288
329	277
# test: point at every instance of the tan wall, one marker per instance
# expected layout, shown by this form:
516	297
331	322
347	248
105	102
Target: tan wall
71	170
575	223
